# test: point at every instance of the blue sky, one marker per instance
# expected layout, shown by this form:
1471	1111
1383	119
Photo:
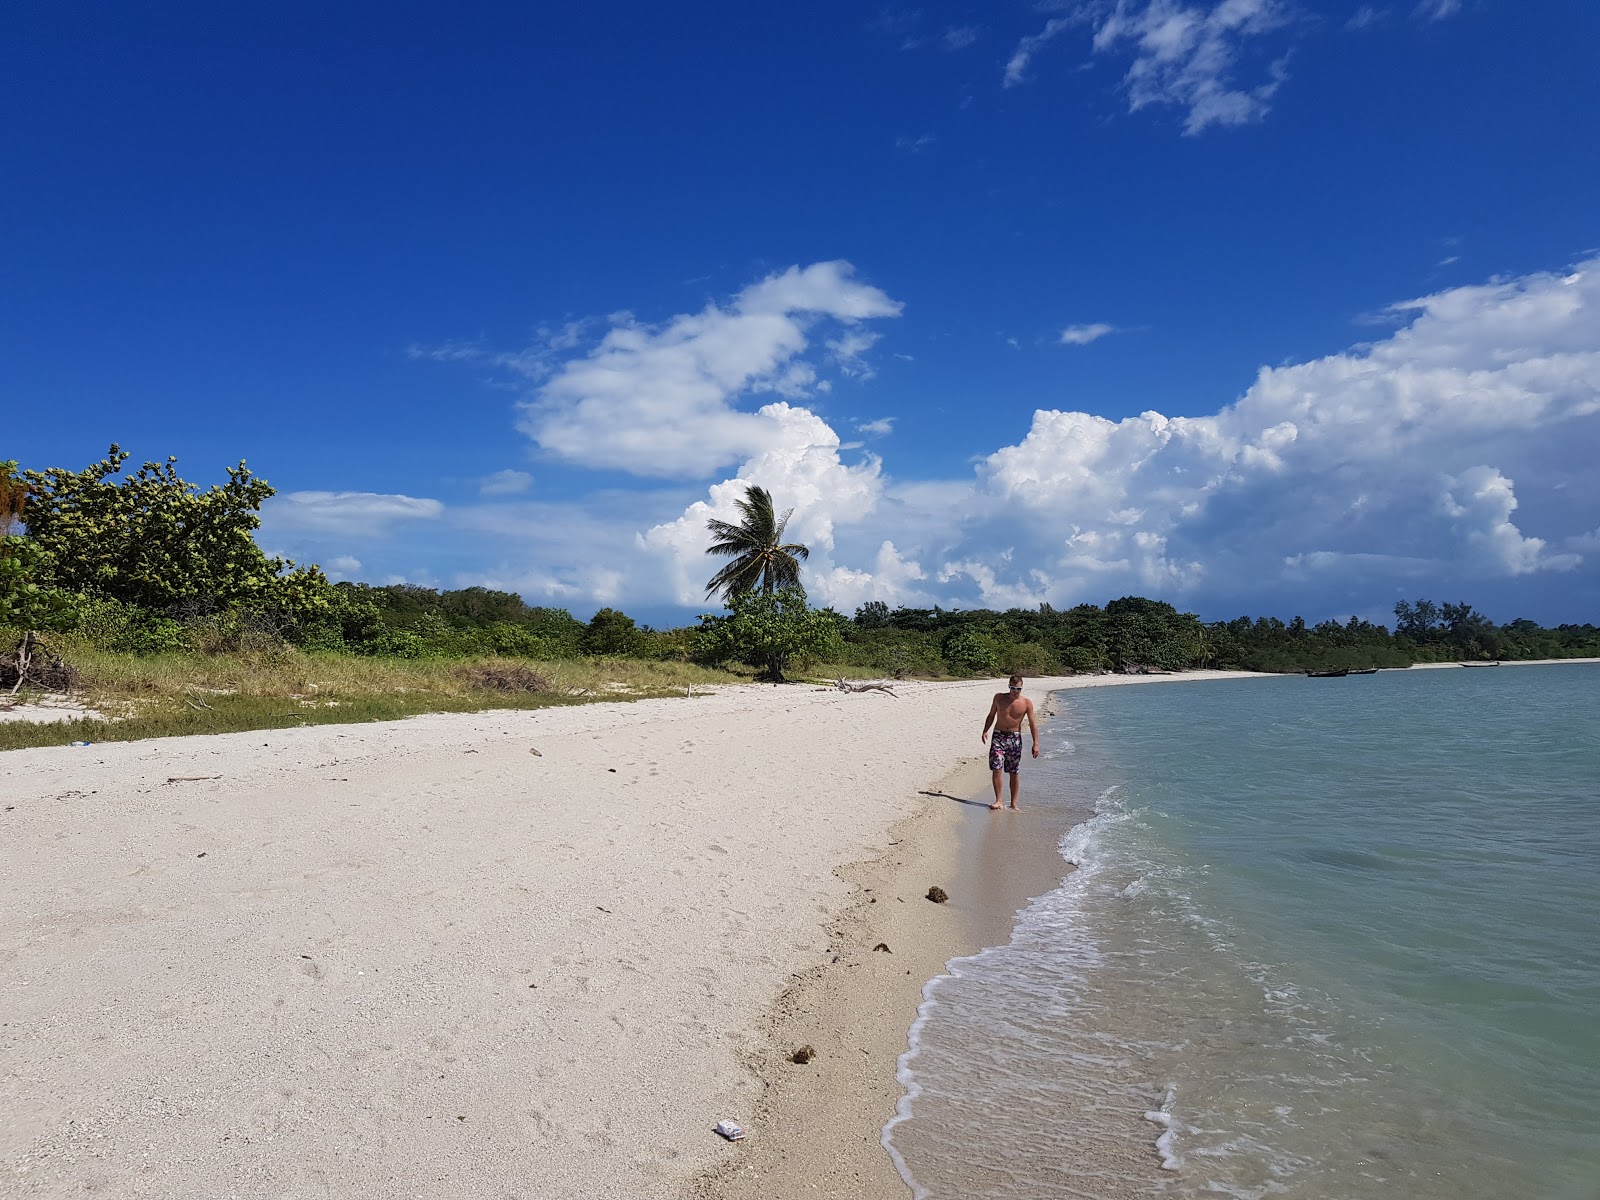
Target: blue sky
1253	306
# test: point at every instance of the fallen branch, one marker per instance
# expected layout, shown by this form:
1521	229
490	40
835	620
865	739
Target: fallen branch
22	662
865	687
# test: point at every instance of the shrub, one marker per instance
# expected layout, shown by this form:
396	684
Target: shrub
1080	659
609	632
125	628
1029	658
767	630
972	654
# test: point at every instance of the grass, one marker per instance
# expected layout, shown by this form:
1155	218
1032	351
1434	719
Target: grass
165	695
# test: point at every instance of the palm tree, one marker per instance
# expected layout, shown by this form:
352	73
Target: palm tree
760	555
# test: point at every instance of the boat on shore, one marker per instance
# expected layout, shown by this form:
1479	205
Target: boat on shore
1495	663
1337	673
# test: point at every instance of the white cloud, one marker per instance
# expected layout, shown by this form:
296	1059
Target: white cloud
1395	464
960	37
1022	57
661	399
506	483
1453	454
341	566
802	470
1184	55
1082	335
1366	17
848	348
1437	10
914	145
1479	502
881	427
351	513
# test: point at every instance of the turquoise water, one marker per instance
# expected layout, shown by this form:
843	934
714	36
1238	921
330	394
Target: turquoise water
1327	939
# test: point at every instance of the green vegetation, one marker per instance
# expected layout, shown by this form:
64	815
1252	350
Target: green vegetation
149	597
767	630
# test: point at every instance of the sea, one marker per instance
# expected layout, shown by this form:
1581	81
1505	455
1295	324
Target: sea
1330	939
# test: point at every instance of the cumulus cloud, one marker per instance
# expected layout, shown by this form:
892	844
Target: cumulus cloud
1395	464
881	427
1453	453
1183	55
1082	335
663	399
342	566
506	483
803	469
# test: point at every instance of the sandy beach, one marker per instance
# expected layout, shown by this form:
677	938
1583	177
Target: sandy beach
509	954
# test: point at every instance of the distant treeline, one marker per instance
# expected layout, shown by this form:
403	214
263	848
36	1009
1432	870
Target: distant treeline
146	562
1129	634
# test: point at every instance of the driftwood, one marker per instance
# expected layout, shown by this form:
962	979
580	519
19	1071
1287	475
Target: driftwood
865	687
21	663
32	662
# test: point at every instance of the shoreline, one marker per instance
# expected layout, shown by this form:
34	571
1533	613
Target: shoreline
536	951
817	1129
58	708
483	953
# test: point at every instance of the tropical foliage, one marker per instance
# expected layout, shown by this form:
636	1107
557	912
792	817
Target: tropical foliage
26	603
768	630
761	558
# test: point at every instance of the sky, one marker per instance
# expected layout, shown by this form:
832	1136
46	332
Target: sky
1252	306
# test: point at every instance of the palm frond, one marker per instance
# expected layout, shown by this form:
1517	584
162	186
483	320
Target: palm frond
760	556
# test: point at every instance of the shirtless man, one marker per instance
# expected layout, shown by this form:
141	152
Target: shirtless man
1007	711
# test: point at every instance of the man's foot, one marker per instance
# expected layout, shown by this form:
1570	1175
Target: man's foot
994	806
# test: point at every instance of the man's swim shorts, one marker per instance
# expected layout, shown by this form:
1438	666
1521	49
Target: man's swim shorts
1005	751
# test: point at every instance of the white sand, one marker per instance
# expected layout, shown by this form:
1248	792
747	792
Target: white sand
45	711
414	959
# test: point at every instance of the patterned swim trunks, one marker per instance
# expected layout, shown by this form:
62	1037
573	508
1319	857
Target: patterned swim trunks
1005	751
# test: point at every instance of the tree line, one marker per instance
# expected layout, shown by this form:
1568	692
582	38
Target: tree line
146	562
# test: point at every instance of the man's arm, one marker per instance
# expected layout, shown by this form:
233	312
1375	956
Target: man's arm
1033	728
989	720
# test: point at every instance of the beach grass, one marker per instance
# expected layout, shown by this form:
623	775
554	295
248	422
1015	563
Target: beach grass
164	695
279	687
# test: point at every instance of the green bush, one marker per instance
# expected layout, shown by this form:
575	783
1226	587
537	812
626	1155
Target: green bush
1029	658
123	628
972	654
609	632
1081	659
768	630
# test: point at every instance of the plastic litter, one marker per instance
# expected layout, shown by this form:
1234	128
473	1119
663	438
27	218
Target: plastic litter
731	1130
80	743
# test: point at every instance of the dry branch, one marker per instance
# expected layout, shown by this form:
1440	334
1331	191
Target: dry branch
865	687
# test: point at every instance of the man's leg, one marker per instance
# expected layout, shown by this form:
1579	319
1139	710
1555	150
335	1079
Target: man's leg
997	773
1016	787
